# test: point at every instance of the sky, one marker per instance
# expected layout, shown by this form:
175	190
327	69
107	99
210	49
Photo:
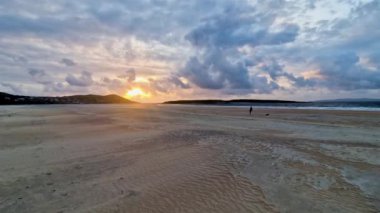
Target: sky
159	50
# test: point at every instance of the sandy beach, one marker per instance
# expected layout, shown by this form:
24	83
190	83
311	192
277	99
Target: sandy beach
160	158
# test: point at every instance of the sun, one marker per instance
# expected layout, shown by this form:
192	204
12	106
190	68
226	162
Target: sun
136	93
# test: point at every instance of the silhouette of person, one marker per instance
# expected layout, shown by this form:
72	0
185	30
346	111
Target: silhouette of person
250	110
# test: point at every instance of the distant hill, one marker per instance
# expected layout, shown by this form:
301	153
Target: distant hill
231	102
351	100
341	103
9	99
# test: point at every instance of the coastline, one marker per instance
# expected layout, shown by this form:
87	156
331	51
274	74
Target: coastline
327	108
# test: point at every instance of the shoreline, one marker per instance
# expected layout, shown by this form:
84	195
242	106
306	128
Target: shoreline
359	109
283	107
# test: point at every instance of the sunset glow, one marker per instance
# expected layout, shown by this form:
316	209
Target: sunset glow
137	93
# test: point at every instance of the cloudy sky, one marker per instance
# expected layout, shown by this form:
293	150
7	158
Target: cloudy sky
157	50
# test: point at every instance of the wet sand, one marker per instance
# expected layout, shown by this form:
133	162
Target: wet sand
155	158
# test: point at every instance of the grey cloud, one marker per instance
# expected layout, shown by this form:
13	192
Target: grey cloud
113	84
263	86
84	80
63	87
130	75
337	54
49	85
17	89
147	20
42	26
159	86
199	74
235	29
40	76
178	82
56	87
311	4
155	20
275	71
220	65
68	62
36	72
71	20
216	72
168	84
374	59
19	24
20	59
342	71
339	62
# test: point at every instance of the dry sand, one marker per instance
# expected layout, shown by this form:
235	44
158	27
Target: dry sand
154	158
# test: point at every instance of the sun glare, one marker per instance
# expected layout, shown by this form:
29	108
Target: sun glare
137	93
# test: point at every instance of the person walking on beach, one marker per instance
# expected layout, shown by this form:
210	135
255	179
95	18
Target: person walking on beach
250	110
